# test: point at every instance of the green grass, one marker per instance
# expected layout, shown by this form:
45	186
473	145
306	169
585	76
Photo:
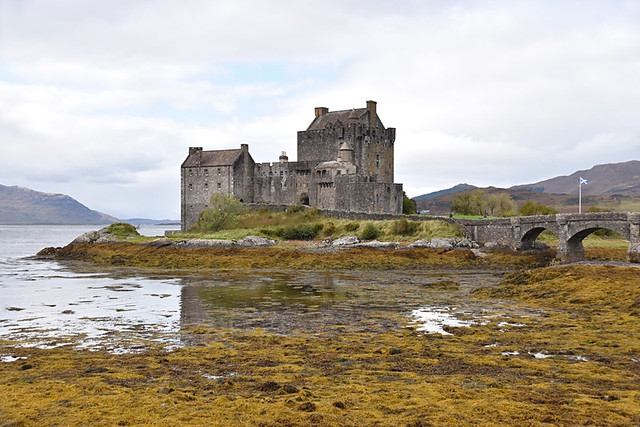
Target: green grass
283	225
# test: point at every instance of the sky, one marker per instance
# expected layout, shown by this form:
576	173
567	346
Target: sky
101	100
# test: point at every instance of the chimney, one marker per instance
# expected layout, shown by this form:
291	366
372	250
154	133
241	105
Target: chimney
283	157
195	150
371	106
321	111
244	147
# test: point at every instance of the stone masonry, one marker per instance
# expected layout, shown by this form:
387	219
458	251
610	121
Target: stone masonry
345	163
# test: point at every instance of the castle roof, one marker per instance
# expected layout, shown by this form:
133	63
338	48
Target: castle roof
343	116
213	158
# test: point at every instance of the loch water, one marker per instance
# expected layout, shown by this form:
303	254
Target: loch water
46	303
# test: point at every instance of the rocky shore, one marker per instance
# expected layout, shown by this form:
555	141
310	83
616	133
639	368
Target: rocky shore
252	252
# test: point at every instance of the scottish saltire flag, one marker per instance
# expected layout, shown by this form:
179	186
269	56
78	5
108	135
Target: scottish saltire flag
583	181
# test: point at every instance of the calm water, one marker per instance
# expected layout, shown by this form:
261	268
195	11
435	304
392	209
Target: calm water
47	304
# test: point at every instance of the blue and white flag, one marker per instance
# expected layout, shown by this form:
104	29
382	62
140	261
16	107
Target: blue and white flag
583	181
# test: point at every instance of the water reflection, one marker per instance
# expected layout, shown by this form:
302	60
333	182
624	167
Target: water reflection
53	304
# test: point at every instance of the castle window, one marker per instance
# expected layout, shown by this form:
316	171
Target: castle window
206	186
206	172
377	160
219	186
190	172
219	171
190	186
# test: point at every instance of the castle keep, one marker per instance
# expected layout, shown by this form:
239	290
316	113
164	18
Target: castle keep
345	163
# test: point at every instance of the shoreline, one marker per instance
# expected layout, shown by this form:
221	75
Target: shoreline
165	257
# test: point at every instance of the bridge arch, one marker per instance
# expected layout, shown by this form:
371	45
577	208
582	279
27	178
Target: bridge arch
573	250
528	239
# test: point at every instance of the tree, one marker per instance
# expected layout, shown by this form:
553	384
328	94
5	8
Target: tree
408	205
469	203
223	210
500	204
531	208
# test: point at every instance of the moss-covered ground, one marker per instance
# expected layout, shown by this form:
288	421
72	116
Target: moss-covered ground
566	352
296	258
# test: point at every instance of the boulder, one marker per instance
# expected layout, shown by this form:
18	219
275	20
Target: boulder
256	241
421	244
346	241
447	243
378	245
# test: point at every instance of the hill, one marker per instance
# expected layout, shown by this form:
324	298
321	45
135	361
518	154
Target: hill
19	205
565	203
609	179
455	189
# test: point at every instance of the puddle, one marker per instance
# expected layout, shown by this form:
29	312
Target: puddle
432	320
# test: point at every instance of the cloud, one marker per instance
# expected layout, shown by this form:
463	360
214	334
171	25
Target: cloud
103	99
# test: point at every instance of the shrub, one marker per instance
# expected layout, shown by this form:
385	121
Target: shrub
531	208
311	213
122	229
404	227
370	232
408	205
299	232
223	211
351	226
328	229
293	209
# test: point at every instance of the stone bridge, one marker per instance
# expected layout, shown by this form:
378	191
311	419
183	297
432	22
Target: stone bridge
570	229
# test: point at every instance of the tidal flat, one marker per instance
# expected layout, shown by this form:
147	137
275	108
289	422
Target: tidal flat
412	344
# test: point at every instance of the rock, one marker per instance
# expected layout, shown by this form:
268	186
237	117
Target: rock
395	351
494	246
159	243
421	244
447	243
88	237
466	244
378	245
100	236
256	241
346	241
539	245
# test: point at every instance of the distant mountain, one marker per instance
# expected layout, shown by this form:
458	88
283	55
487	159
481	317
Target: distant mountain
564	203
147	221
456	189
614	178
19	205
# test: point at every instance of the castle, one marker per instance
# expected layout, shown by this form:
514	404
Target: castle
345	163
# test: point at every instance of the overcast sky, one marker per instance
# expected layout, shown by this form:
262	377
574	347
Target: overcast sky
100	100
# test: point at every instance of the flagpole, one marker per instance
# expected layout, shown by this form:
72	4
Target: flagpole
580	196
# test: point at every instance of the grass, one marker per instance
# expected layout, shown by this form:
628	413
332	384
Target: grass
278	225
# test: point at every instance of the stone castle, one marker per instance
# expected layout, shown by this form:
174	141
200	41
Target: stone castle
345	163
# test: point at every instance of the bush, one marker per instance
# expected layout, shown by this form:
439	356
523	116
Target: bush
312	213
370	232
403	227
294	209
223	211
122	229
328	229
408	205
351	226
531	208
299	232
